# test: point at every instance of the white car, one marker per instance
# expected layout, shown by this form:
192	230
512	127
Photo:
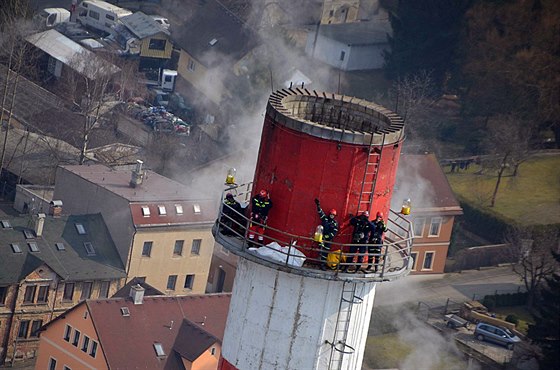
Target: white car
164	22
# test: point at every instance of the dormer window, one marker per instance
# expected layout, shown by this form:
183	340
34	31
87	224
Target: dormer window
179	209
80	229
145	211
162	211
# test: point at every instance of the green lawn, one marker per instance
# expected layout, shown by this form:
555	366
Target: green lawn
532	197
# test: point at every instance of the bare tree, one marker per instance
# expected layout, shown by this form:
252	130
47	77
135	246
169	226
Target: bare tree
533	251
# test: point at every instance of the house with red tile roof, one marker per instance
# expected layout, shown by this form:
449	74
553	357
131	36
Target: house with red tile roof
161	231
433	211
137	332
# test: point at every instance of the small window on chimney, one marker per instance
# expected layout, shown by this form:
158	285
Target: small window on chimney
28	234
125	312
89	248
162	211
145	211
196	208
81	229
60	246
179	209
6	224
159	349
33	247
15	248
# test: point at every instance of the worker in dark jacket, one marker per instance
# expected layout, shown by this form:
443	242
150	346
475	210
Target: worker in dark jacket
330	229
232	215
360	237
260	206
376	241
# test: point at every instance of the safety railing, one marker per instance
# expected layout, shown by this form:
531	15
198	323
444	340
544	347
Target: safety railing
386	261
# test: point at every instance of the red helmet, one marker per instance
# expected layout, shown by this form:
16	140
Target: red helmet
263	193
332	212
365	213
379	214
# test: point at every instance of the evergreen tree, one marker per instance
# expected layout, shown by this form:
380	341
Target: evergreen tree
546	330
425	37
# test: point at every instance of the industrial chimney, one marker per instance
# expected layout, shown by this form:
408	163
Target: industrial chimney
137	174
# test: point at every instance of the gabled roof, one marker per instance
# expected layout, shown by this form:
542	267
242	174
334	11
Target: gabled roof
156	320
73	263
72	54
357	33
149	290
142	25
192	341
421	178
213	30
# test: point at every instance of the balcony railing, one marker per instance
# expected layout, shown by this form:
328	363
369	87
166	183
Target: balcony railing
301	254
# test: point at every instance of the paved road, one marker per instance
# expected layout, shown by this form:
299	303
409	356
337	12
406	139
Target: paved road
459	287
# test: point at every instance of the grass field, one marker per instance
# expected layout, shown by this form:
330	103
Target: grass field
532	197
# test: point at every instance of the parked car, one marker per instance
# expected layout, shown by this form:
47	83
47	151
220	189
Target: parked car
454	321
496	334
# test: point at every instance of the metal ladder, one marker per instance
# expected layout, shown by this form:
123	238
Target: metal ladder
370	177
339	346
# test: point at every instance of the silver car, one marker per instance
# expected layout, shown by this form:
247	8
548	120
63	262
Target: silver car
496	334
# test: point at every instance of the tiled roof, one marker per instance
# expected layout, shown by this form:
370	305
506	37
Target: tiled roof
192	341
421	178
73	263
156	320
357	33
193	212
149	290
212	21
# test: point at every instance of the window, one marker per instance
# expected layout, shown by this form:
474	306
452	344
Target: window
418	225
3	293
93	349
145	211
331	13
83	13
67	331
15	248
109	16
6	224
23	328
189	281
171	281
85	344
66	368
35	326
86	290
435	225
29	295
428	260
33	247
156	44
179	209
195	248
89	249
60	246
80	229
52	364
125	311
191	65
43	295
28	234
68	292
213	351
104	289
414	256
162	211
159	349
94	15
178	248
342	55
147	249
196	209
76	338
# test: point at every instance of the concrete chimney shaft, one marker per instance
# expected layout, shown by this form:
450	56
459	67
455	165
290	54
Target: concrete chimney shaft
39	223
137	293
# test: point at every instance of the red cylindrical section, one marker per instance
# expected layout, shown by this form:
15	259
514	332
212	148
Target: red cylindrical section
338	149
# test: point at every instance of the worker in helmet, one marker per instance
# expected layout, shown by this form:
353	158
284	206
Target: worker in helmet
260	206
330	229
376	241
360	237
232	215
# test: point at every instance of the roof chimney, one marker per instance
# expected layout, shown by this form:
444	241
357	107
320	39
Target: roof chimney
39	223
137	293
56	208
137	174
